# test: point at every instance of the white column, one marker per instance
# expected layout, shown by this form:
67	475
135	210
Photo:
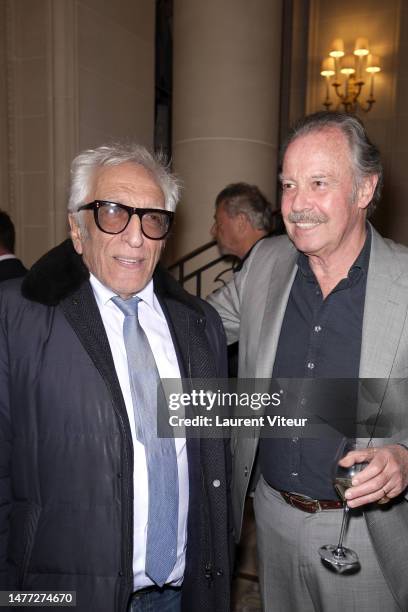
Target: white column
225	105
63	116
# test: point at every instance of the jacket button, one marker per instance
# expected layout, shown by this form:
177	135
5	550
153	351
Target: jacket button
220	572
216	483
246	471
208	571
120	574
119	474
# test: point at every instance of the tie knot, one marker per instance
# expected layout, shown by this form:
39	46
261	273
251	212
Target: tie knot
128	307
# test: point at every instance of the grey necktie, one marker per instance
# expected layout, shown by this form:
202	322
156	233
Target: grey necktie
161	548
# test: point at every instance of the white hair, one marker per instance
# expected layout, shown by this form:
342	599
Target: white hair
86	163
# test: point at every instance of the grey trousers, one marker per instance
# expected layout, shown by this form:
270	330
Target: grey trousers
292	577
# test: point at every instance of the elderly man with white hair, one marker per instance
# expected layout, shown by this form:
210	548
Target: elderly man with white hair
91	499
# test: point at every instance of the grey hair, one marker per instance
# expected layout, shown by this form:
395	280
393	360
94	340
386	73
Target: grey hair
84	166
242	198
365	155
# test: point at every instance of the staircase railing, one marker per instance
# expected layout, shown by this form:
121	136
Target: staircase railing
179	267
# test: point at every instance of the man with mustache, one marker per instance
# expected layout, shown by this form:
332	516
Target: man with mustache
330	301
92	500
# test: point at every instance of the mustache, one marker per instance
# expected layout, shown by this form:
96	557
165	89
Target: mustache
306	217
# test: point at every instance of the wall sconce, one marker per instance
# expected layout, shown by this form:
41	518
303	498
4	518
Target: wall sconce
350	74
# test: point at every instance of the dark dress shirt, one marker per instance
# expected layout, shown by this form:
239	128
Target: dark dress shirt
319	339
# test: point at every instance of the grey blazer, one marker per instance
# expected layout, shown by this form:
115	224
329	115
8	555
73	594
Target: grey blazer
252	307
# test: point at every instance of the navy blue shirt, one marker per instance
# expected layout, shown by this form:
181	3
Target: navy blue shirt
319	339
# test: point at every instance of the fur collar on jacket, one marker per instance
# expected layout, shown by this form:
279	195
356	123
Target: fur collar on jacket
61	272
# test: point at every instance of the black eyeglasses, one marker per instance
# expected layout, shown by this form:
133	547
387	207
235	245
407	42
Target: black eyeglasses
113	218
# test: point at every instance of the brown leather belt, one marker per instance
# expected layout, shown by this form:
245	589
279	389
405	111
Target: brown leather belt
310	505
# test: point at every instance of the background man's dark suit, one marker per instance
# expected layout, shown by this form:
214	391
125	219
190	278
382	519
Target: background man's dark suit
11	268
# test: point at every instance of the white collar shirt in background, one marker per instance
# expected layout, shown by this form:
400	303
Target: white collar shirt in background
154	324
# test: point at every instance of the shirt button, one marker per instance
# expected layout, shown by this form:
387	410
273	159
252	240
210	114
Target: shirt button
310	365
303	401
295	439
294	474
317	329
216	483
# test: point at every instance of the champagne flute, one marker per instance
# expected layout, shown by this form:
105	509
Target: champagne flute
338	557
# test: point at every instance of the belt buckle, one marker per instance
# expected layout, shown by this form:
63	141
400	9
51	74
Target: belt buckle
313	504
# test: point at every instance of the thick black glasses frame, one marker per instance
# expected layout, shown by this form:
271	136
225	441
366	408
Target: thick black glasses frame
140	212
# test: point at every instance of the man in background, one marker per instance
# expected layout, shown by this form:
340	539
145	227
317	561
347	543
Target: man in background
10	266
243	216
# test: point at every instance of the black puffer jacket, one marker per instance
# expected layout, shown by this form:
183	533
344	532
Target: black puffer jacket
66	458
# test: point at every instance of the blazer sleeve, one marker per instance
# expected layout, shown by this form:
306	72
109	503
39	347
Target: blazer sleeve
227	302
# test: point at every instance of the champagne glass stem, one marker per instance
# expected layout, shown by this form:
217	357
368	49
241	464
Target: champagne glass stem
343	528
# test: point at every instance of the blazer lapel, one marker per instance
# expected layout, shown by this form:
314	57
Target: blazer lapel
385	312
385	316
280	283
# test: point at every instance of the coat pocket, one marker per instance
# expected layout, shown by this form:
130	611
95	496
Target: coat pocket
23	527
